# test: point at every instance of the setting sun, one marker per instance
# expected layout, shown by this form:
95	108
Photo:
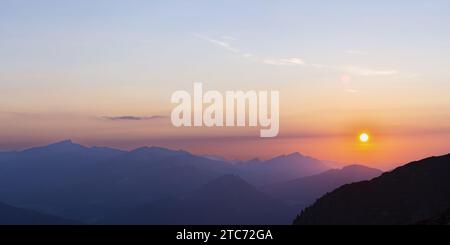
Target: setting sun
364	137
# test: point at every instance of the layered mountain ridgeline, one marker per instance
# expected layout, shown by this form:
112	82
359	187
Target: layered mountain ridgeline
304	191
417	192
227	200
10	215
94	184
83	183
281	168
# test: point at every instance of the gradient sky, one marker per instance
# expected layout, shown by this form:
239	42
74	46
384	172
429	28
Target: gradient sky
73	69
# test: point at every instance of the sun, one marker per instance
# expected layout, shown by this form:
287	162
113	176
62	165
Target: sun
364	137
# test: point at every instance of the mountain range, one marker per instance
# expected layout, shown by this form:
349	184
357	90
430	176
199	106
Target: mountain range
226	200
418	192
304	191
100	185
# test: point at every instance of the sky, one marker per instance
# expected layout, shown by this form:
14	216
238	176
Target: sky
101	72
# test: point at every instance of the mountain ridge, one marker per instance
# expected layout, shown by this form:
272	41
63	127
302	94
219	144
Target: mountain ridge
92	183
226	200
304	191
407	195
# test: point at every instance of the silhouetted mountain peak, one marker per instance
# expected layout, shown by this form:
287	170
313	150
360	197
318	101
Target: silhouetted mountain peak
59	147
64	143
294	155
140	149
281	168
406	195
155	150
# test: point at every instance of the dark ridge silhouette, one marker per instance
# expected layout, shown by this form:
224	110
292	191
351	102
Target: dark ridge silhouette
227	200
92	184
77	182
304	191
281	168
407	195
10	215
442	219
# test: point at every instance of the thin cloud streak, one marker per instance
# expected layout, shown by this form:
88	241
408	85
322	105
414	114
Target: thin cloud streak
219	43
294	61
133	118
268	61
285	62
369	72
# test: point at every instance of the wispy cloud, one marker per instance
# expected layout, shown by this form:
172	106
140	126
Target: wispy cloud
355	70
285	62
292	62
132	118
369	72
220	43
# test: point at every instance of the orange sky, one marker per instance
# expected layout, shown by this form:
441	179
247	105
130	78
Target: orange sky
68	70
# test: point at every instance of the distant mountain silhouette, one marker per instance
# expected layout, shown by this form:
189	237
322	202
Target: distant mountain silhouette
42	178
408	195
77	182
225	201
306	190
92	184
281	168
62	161
151	173
10	215
219	158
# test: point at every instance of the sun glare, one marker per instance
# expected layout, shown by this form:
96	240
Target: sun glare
364	137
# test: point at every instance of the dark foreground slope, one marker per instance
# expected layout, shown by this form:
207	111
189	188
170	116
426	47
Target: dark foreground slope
10	215
304	191
408	195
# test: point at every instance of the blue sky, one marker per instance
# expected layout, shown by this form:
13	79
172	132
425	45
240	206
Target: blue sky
340	62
